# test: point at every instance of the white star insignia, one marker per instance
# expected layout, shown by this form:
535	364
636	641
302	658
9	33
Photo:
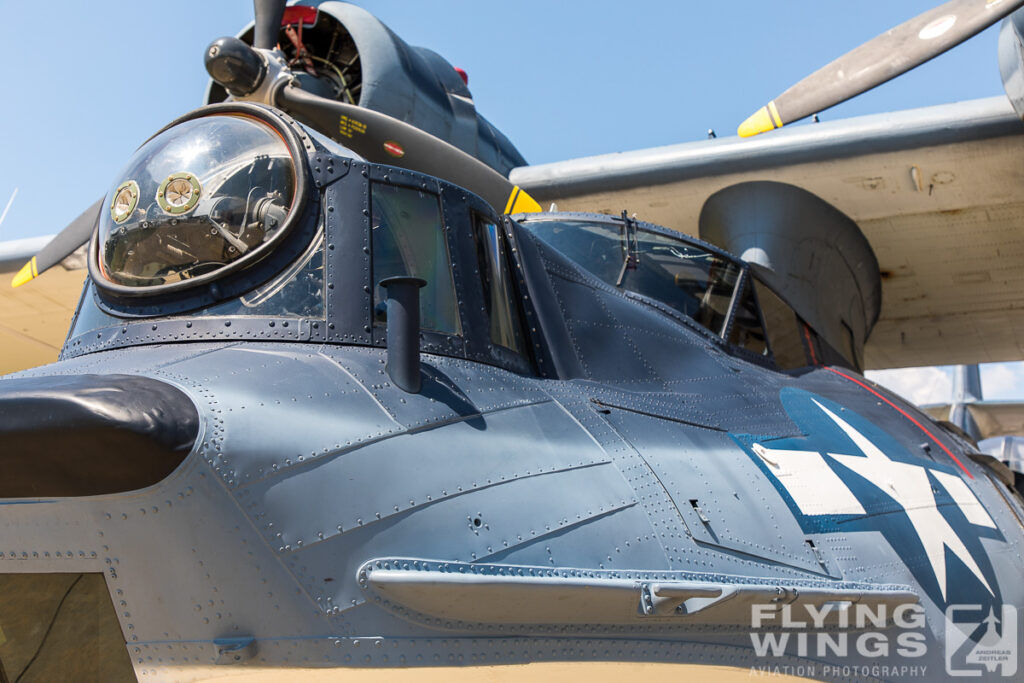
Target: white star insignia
817	490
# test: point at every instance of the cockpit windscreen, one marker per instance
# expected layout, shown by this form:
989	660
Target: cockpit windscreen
692	280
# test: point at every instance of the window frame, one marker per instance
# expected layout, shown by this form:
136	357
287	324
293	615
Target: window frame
431	341
457	208
810	353
745	281
521	360
746	278
526	219
444	263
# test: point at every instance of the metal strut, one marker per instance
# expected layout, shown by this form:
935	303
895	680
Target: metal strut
630	247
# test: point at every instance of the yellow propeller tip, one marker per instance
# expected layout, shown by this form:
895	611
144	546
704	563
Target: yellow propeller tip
27	272
764	119
520	202
758	122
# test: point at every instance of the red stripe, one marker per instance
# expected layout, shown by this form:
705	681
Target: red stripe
810	344
906	415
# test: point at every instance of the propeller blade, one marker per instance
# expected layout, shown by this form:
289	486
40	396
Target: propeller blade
382	139
268	22
894	52
61	246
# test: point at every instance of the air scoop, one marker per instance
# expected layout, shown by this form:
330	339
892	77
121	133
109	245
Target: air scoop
86	435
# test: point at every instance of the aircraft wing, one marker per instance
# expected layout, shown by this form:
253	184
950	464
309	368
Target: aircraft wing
34	319
936	191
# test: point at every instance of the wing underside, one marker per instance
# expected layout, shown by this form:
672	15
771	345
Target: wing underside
993	418
34	319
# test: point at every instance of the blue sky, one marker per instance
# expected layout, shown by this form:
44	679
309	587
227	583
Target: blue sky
98	78
562	80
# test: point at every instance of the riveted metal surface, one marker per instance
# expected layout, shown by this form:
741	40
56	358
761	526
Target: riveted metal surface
572	498
212	576
608	337
452	388
231	555
604	346
603	541
622	461
327	168
706	466
135	360
179	559
131	334
347	266
318	407
662	517
539	439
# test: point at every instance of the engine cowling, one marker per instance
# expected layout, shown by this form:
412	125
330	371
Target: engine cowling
353	57
1011	59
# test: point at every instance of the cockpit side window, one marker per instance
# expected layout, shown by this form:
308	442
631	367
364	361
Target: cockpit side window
505	323
746	330
694	281
408	239
784	329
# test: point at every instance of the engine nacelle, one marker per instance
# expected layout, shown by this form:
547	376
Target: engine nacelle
353	57
1011	59
808	250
